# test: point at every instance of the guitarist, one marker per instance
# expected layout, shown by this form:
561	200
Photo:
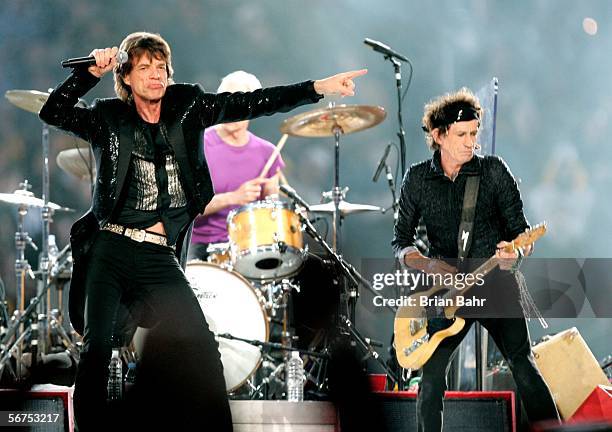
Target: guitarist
433	191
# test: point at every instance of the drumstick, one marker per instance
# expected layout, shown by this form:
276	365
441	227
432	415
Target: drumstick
274	155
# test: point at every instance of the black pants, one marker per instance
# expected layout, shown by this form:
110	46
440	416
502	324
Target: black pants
180	376
512	338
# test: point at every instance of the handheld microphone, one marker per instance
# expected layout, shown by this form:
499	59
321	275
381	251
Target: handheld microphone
121	57
381	163
291	193
384	49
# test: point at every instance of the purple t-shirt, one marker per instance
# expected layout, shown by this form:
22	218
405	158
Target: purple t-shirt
229	167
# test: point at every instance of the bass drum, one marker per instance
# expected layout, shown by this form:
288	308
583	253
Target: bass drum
315	306
231	305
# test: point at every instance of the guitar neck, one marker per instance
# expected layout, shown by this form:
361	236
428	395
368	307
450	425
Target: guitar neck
483	270
524	239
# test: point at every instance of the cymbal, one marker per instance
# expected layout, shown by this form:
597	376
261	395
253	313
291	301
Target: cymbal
346	208
323	122
21	197
77	162
29	100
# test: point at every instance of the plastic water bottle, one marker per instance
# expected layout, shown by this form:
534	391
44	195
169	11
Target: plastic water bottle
295	377
115	377
53	249
53	254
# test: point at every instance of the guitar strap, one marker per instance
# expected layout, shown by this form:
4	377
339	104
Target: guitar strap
466	227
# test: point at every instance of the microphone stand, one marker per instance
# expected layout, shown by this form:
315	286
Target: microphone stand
480	335
397	68
391	183
273	345
395	58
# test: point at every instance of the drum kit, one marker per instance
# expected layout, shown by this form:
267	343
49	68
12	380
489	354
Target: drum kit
246	288
262	268
39	325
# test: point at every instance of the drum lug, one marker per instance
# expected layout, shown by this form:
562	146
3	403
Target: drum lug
288	284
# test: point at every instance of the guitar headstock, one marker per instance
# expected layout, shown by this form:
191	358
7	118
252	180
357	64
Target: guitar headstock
528	237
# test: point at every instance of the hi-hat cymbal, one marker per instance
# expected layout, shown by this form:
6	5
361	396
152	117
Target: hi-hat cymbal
346	208
29	100
78	162
323	122
21	197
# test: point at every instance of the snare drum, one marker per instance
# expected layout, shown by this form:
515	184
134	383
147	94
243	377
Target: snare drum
266	240
231	305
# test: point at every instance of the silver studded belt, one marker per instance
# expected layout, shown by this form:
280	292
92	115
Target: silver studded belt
138	235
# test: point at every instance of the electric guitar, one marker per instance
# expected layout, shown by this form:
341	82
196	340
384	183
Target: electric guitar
414	344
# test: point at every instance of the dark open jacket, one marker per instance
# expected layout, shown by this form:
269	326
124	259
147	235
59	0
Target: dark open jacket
109	126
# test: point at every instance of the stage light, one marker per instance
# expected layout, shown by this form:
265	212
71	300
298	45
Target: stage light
589	25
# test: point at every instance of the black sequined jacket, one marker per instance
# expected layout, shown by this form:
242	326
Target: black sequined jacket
109	125
427	193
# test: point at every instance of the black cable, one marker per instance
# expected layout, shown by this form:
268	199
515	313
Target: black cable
409	80
4	313
398	181
317	219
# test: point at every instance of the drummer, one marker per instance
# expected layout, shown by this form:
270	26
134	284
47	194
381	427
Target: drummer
235	158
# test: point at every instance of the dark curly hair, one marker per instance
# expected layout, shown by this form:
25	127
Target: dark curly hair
443	111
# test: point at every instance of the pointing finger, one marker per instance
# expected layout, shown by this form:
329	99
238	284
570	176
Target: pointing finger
355	73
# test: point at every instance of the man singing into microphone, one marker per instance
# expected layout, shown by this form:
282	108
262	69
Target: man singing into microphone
128	250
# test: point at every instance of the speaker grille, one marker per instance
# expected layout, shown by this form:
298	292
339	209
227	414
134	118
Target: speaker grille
469	413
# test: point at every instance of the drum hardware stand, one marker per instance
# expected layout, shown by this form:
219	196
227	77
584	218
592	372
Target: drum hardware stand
46	272
261	389
14	349
56	325
351	276
4	314
17	331
47	215
353	279
22	267
318	365
56	269
34	330
337	194
31	101
279	299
